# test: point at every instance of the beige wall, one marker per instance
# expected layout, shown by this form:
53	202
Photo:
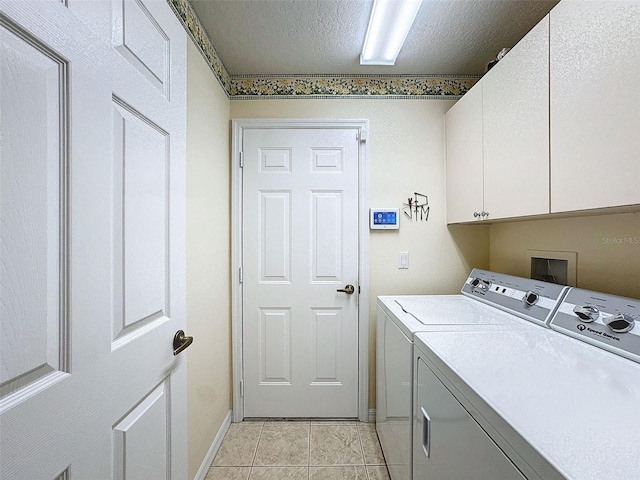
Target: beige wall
406	155
608	249
208	246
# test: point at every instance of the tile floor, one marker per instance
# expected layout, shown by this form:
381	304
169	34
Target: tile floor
281	450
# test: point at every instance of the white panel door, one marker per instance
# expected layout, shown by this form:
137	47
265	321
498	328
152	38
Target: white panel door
300	245
92	281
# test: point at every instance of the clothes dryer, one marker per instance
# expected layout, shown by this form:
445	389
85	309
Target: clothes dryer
529	402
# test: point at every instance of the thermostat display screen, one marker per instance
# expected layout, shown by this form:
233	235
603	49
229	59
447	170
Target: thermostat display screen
384	219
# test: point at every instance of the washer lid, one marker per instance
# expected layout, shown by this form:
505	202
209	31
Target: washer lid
450	310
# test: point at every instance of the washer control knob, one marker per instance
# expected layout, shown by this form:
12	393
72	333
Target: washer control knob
620	323
586	313
531	298
479	284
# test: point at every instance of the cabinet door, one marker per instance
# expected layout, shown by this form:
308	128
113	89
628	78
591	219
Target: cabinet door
447	441
595	105
516	129
463	125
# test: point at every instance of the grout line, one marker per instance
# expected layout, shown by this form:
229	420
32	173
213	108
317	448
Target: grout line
255	452
309	456
364	461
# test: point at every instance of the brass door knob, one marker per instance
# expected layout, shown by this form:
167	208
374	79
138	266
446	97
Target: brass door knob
349	289
181	342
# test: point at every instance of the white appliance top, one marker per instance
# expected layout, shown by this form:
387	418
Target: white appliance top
487	298
575	405
413	313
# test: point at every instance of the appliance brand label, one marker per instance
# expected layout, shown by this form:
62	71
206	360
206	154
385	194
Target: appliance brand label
582	327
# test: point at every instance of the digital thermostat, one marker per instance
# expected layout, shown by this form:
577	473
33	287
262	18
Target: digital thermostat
384	218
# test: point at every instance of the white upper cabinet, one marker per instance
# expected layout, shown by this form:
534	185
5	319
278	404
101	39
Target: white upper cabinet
498	138
463	124
595	105
516	129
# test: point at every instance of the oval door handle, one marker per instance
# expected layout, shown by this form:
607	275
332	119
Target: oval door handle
348	289
181	342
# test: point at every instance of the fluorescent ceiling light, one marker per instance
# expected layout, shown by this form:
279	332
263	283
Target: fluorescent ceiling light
388	27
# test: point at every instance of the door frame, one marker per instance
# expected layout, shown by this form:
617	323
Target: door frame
361	129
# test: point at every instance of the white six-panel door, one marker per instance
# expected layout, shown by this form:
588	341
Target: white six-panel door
92	240
300	245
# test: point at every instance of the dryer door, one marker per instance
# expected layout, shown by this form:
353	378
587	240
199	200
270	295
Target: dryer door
447	441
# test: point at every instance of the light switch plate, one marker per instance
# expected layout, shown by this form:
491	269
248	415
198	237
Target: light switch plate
403	260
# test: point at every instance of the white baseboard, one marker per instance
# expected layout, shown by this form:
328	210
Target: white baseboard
213	449
372	415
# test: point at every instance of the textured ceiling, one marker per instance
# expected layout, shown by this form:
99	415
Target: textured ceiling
304	37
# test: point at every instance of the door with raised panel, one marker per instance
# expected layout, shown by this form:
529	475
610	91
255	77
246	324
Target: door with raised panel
92	279
300	247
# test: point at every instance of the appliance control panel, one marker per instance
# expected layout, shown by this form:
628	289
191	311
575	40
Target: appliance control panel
606	321
533	300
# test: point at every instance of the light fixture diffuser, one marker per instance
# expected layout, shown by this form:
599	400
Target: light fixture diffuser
389	25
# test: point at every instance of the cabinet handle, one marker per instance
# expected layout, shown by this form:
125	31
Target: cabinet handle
426	432
476	214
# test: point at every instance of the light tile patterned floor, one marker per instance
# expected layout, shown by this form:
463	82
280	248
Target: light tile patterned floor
299	451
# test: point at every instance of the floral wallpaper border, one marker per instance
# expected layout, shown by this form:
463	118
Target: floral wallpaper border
328	86
191	23
243	87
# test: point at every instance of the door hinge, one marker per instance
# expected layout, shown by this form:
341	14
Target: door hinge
241	388
241	155
240	275
363	135
358	289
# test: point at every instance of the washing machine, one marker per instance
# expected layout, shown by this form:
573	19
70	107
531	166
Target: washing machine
488	300
529	402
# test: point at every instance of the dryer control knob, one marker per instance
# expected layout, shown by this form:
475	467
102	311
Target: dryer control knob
586	313
531	298
620	323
